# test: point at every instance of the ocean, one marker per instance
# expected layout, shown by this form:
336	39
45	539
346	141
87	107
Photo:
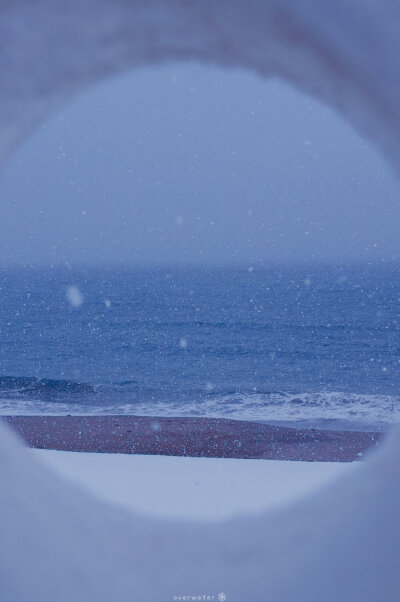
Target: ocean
309	346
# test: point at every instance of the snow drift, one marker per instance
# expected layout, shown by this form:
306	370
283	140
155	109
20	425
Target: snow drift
58	543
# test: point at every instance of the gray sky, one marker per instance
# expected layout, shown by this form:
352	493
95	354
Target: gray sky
192	164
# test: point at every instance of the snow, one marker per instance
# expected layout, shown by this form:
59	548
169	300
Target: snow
344	56
74	296
192	488
59	542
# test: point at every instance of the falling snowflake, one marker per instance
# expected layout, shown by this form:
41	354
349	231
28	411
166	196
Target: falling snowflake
74	296
183	343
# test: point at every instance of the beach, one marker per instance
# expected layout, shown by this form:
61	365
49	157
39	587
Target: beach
197	437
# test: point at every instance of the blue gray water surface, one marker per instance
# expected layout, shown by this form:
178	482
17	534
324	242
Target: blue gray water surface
314	346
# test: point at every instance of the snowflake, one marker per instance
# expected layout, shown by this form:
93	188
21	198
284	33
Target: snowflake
221	597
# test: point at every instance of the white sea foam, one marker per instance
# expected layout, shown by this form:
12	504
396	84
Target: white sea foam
315	408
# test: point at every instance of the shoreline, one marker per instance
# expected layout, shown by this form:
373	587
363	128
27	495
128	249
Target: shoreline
191	437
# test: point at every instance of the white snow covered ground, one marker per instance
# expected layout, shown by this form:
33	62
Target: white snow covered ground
192	488
59	542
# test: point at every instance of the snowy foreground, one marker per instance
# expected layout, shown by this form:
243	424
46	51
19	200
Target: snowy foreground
61	543
198	488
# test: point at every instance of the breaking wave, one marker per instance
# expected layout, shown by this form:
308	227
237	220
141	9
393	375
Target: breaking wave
25	386
28	395
317	410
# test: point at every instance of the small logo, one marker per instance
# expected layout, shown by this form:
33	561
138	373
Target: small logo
221	597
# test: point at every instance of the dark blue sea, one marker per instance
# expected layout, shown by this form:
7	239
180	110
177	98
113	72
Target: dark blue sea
303	346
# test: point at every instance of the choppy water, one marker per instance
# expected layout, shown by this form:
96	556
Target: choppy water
317	346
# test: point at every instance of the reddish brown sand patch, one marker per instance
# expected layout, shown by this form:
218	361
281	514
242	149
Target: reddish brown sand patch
201	437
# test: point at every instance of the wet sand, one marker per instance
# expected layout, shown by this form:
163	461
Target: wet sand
197	437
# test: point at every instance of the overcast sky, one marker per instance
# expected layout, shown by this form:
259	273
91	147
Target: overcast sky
191	164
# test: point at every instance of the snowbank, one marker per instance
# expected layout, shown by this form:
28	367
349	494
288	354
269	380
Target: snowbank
345	55
57	543
192	488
